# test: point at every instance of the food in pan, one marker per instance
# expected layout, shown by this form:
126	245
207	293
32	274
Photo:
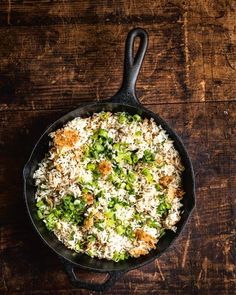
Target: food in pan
110	185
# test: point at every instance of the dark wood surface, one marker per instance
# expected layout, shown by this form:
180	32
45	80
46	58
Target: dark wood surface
56	54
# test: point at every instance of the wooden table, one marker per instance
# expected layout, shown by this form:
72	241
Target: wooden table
55	55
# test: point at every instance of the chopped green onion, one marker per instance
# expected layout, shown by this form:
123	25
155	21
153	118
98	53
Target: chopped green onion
71	206
129	232
40	215
162	232
117	256
131	176
92	238
134	158
109	214
40	204
98	147
85	153
105	115
137	118
103	133
163	207
148	156
120	230
78	246
129	188
91	166
110	222
80	180
116	146
99	225
50	221
127	158
148	175
153	223
122	118
119	158
158	187
71	237
137	216
57	212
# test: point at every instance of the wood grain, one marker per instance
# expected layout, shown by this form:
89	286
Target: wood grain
75	12
58	65
56	54
212	168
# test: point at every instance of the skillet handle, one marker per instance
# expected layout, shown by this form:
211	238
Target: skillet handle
132	65
77	282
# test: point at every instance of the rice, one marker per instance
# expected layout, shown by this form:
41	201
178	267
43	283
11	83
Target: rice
110	185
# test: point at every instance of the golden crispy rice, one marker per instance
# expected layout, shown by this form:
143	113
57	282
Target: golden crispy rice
65	138
104	167
138	251
147	238
88	198
88	222
165	180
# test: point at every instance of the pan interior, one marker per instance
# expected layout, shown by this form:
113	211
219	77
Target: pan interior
83	260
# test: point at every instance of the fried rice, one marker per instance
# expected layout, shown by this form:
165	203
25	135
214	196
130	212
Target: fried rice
110	185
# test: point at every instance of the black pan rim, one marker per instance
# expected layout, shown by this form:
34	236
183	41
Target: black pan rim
166	127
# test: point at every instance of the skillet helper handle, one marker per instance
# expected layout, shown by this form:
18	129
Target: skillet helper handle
77	282
132	65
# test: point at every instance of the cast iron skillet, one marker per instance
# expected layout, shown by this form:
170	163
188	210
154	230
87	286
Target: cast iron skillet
124	100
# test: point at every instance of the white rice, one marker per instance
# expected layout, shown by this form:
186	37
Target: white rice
137	221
